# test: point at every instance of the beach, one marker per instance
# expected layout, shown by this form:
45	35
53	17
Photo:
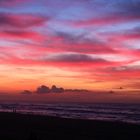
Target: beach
16	126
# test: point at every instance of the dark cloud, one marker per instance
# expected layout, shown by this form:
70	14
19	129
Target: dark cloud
135	32
80	38
127	11
43	89
83	42
131	8
26	92
73	58
55	89
117	12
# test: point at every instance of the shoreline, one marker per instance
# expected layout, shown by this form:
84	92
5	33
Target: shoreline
18	126
71	117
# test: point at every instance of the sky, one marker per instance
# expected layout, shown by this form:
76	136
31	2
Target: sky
82	44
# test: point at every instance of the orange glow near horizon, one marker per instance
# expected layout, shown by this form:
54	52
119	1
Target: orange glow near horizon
78	44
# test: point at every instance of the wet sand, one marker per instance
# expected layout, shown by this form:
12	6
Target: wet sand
14	126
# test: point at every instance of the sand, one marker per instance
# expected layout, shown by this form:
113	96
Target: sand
14	126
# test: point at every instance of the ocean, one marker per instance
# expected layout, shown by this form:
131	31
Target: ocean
110	112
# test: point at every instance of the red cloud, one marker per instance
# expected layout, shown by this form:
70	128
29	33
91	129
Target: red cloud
35	56
20	20
59	45
105	20
132	34
34	36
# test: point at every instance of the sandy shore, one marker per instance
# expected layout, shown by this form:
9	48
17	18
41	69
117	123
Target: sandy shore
15	126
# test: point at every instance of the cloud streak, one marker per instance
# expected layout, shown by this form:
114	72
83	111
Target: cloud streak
9	3
8	20
96	39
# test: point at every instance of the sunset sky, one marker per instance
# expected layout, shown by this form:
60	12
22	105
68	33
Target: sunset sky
82	44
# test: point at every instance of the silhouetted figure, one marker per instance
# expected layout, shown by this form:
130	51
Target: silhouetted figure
14	110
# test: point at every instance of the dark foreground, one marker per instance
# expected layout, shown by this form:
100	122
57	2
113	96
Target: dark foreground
29	127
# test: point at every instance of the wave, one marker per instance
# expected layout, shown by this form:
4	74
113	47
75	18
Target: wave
113	112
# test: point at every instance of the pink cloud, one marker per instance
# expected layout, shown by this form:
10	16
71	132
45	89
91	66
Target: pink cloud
8	20
9	3
15	35
105	20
